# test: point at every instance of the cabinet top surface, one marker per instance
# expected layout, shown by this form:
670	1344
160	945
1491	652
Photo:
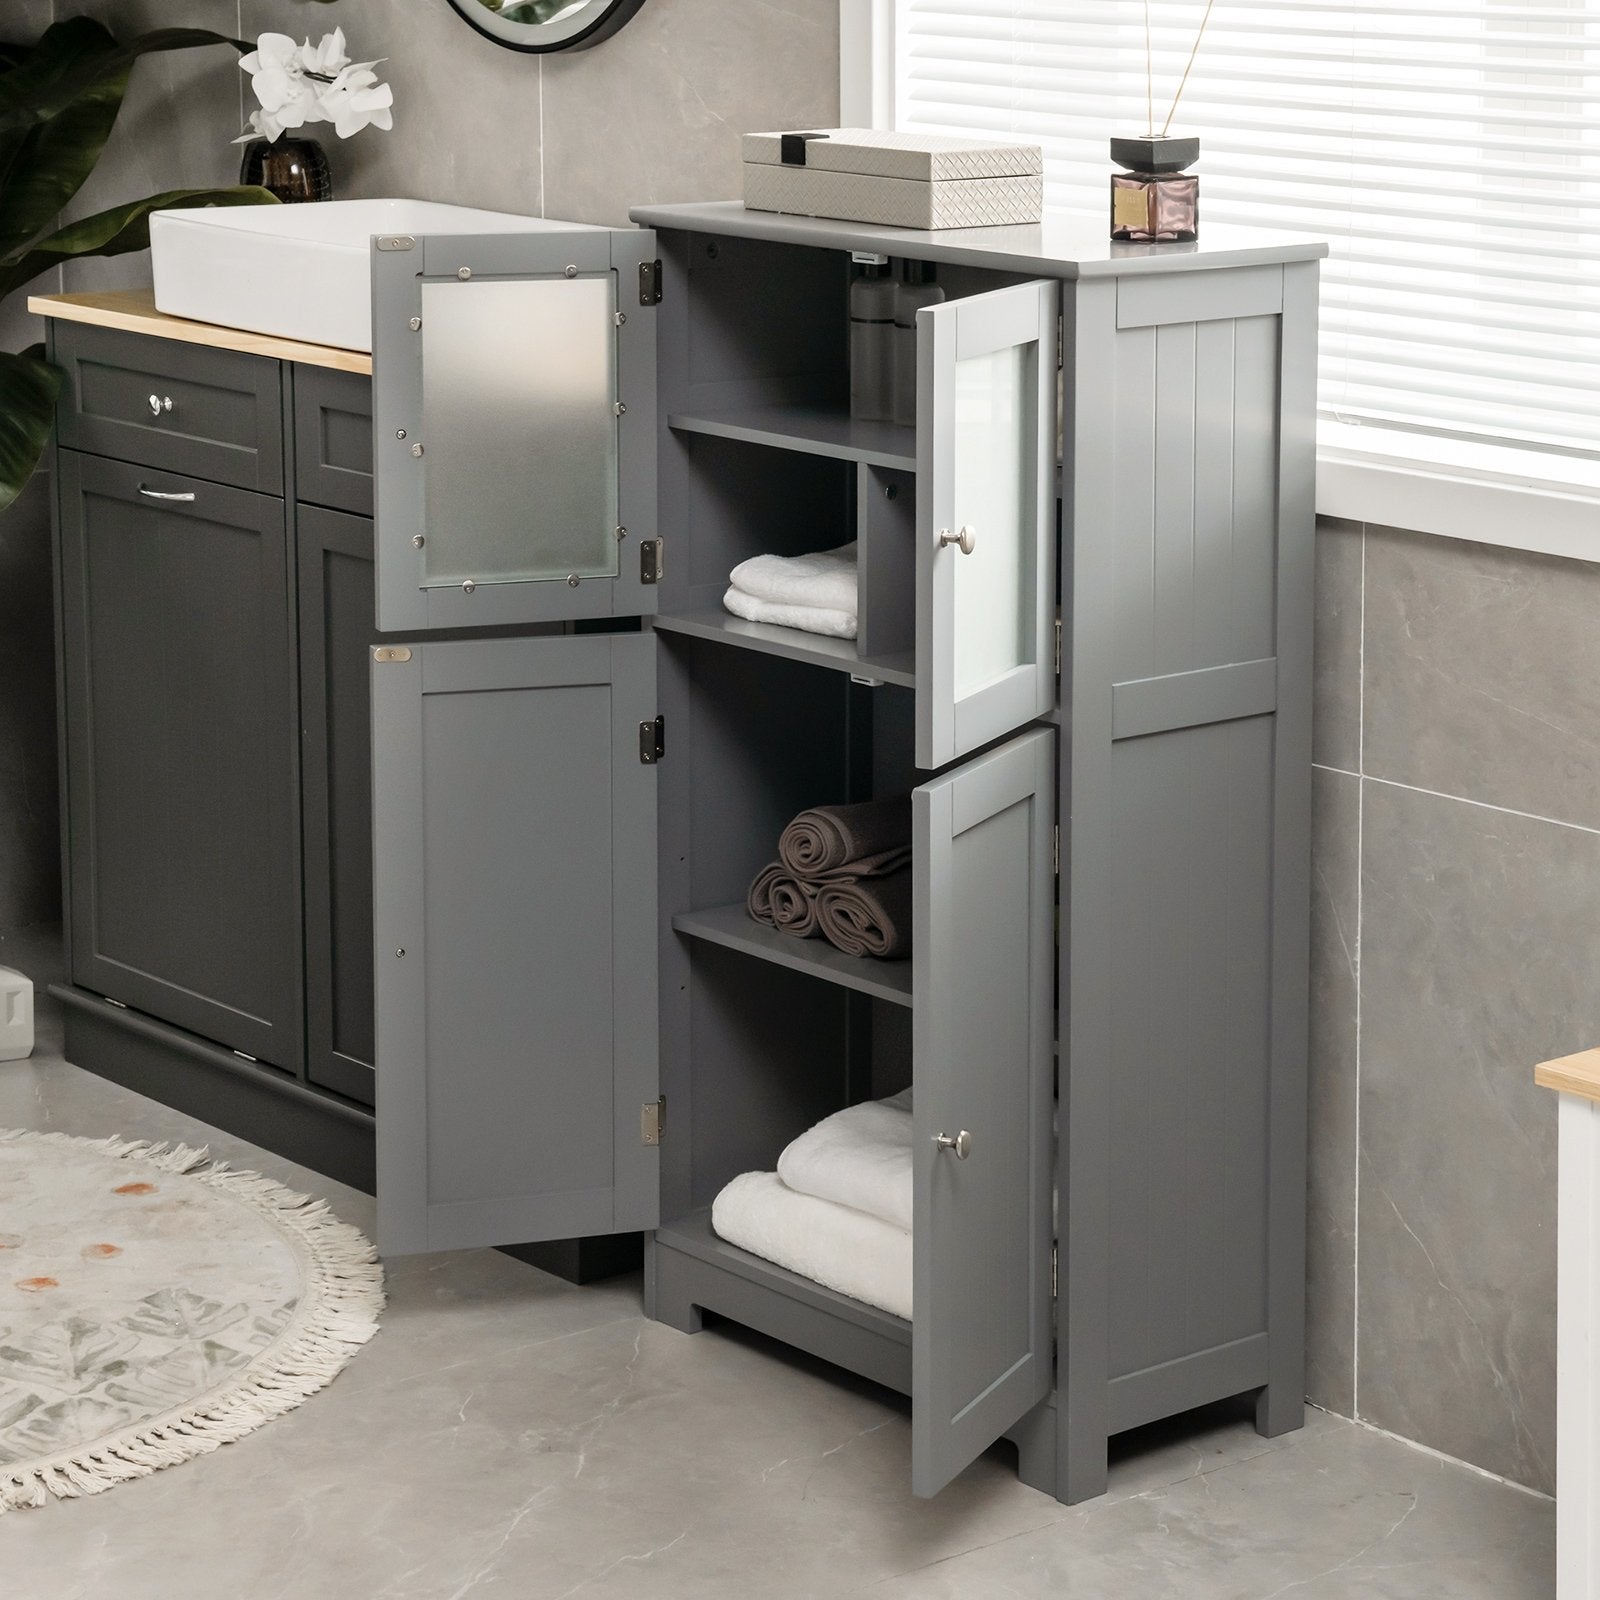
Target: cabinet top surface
1579	1074
134	311
1065	244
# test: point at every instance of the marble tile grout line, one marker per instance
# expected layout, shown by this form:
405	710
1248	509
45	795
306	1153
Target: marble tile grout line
1442	1456
1361	818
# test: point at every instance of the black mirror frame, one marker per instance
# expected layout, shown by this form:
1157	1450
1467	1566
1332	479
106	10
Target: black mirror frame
611	16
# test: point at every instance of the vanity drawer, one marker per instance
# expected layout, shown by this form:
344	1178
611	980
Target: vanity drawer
212	414
333	439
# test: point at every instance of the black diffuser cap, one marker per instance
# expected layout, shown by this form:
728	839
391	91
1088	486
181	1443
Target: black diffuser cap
1155	154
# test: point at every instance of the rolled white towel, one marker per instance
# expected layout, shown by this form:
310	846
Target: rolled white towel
848	1251
858	1157
825	579
808	619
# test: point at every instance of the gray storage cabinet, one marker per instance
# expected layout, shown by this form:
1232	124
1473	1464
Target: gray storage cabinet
1092	676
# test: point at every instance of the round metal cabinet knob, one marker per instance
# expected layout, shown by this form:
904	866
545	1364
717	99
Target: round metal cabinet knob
961	1144
963	541
159	403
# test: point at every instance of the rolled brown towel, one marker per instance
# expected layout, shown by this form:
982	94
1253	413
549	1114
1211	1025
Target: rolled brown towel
794	907
826	838
782	901
868	916
758	902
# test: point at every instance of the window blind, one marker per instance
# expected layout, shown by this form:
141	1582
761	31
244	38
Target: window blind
1448	149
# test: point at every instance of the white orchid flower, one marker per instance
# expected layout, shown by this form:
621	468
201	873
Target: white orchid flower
356	100
306	83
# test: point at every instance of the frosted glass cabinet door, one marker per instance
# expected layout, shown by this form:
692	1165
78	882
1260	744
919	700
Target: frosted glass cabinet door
514	390
986	518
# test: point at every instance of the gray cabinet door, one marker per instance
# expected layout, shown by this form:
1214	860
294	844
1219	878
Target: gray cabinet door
983	977
986	518
335	578
181	764
515	908
515	427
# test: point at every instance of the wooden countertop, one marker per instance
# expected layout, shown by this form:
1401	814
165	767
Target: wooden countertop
134	311
1579	1074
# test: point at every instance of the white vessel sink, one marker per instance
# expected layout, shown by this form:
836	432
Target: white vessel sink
295	271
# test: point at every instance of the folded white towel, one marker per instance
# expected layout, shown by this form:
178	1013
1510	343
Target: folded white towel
859	1157
808	619
825	579
848	1251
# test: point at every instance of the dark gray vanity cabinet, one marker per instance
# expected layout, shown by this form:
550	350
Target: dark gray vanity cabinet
181	777
335	578
216	607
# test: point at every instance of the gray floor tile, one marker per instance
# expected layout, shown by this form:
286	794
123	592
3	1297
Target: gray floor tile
507	1434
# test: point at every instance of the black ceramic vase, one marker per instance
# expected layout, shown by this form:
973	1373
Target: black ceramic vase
293	169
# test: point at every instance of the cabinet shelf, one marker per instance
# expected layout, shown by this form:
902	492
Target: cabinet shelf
734	928
817	430
694	1236
840	655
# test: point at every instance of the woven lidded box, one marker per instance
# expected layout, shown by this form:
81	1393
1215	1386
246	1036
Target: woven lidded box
902	180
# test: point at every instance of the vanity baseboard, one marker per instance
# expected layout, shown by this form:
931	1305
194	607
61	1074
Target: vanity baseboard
203	1080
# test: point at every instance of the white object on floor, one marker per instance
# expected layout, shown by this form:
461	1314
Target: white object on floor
858	1157
808	619
842	1249
16	1015
297	272
825	578
1577	1078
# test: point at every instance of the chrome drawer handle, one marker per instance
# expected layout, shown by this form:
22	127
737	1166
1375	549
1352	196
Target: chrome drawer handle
963	541
159	403
186	495
961	1144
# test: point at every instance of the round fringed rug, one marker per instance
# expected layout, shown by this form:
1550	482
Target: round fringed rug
155	1304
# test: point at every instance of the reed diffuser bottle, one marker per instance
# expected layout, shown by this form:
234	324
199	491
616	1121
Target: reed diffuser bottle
1155	199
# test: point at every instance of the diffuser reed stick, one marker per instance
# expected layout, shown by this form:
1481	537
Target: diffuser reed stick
1150	72
1183	83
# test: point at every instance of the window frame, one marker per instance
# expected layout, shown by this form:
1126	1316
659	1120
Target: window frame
1515	496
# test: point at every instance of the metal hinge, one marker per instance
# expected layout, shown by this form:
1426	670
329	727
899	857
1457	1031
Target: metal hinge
651	1114
649	283
1058	849
1055	1288
396	241
652	741
1058	647
121	1005
391	652
243	1057
652	558
1061	344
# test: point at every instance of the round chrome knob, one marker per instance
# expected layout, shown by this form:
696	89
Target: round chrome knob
963	541
961	1144
159	403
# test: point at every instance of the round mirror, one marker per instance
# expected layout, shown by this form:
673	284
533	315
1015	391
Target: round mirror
547	24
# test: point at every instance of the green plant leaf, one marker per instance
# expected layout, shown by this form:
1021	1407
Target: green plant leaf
29	386
74	56
116	232
51	161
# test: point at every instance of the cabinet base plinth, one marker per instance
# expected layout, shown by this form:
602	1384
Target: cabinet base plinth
203	1080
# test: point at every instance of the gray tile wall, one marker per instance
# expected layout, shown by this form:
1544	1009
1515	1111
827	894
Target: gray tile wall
1457	875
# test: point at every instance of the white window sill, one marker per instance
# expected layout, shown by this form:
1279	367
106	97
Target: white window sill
1521	499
